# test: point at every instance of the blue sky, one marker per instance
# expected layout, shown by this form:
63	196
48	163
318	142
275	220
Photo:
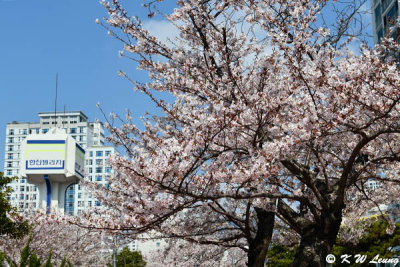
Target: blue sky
41	38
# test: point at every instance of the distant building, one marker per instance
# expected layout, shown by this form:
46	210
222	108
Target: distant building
373	184
97	171
89	135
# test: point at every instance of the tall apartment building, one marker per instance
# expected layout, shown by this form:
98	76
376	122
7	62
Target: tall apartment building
384	14
89	135
97	171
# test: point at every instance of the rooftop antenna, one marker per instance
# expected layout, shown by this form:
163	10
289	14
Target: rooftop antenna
55	101
62	119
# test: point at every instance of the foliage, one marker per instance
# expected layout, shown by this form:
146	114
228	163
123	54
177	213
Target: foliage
8	225
280	256
375	241
127	258
65	262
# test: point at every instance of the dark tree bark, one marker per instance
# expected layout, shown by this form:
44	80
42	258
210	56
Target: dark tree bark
317	242
258	246
317	237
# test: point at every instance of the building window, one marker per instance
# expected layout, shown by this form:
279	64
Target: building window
25	131
89	203
79	195
90	153
37	130
99	161
158	244
391	16
91	178
99	169
81	129
9	172
72	130
97	203
10	148
10	156
9	164
22	181
69	200
11	140
22	188
90	170
108	169
99	153
107	153
81	138
11	132
45	130
98	178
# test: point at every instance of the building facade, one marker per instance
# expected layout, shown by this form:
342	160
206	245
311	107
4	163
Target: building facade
384	16
89	135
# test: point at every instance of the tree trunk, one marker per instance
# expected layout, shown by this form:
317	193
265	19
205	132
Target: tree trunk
258	246
317	240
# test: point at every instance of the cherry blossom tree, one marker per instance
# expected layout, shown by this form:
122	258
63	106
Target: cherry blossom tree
272	116
54	233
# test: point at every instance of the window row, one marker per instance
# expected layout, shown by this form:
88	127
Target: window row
99	170
80	129
99	153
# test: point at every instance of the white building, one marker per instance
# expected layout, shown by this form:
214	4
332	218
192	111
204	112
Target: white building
384	15
97	171
89	135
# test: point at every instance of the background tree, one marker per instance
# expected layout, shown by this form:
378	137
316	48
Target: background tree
127	258
53	233
375	241
280	256
29	258
272	116
13	228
